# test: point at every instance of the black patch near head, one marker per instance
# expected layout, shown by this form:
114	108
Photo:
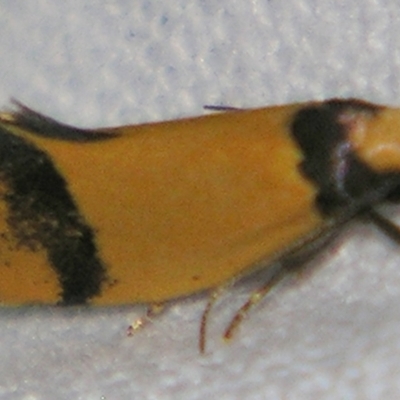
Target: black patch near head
41	125
43	214
330	161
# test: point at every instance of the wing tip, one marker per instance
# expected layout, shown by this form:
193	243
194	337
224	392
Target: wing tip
28	119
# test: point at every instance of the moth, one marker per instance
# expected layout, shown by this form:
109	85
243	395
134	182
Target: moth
154	212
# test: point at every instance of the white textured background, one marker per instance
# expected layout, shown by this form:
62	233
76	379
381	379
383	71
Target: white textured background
334	335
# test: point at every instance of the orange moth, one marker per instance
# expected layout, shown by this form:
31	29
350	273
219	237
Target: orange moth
153	212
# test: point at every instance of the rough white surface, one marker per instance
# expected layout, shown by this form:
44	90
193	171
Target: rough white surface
334	335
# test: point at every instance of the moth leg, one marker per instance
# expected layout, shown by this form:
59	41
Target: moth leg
384	224
254	299
152	311
212	298
293	262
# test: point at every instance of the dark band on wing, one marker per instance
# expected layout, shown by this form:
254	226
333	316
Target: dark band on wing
37	123
43	215
331	162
